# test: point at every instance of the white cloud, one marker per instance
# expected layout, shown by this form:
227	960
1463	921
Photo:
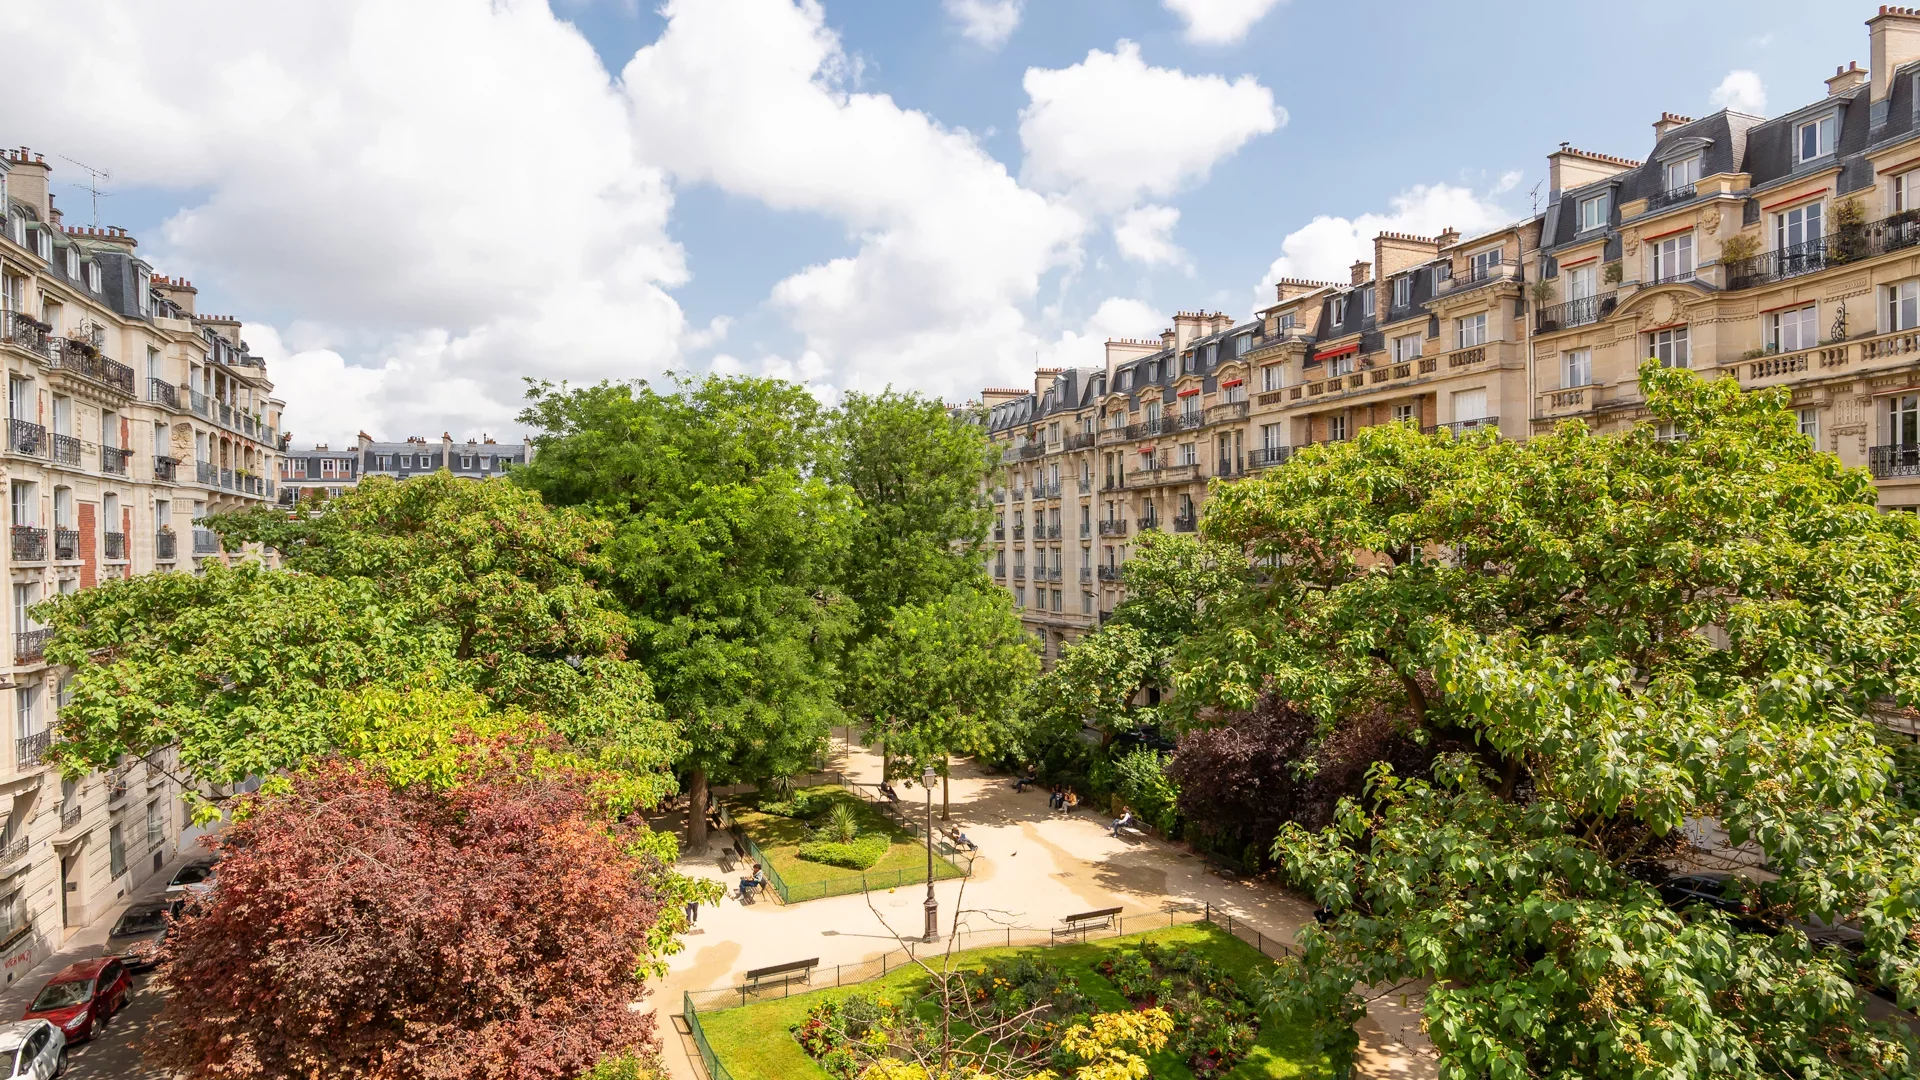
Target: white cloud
1508	181
1741	91
987	23
1219	22
1145	234
1112	131
1116	317
1325	248
430	199
749	95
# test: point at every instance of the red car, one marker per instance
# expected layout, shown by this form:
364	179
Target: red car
80	998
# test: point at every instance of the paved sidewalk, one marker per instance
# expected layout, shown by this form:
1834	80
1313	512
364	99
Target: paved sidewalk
1033	868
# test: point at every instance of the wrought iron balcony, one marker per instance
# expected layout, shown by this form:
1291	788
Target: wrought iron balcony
29	543
66	450
70	815
1461	426
1109	573
1474	276
82	359
205	472
30	645
13	851
1051	491
999	570
205	542
21	329
1086	530
115	544
1019	532
165	545
1080	440
114	460
999	533
198	402
1895	459
1148	523
1053	573
1849	245
66	543
26	437
1019	573
1671	196
1267	456
162	392
1185	524
29	749
1053	532
1587	309
1113	527
164	468
1086	575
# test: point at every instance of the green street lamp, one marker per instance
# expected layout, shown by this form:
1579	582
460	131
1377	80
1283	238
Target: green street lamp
933	906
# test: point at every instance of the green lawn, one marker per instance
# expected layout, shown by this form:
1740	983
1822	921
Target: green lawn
780	839
755	1042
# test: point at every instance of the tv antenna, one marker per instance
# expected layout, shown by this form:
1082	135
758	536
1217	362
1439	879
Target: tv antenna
95	177
1534	195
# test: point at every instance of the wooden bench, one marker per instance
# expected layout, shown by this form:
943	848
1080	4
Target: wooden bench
726	860
780	974
1085	923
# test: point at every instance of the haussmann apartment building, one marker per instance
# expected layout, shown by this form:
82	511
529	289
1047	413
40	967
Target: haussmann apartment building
129	417
1777	252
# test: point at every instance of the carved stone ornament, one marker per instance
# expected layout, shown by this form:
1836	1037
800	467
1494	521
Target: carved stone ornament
1710	220
1630	244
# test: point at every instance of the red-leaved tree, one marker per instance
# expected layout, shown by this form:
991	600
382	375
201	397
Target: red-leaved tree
491	932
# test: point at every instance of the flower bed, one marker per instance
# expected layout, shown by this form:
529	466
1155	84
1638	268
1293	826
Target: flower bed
1217	1024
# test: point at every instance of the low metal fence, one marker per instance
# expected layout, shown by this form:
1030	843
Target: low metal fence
708	1059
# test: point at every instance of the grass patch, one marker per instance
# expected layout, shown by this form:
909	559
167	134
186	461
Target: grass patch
755	1042
903	863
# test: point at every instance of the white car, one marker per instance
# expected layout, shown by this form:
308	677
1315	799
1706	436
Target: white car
32	1050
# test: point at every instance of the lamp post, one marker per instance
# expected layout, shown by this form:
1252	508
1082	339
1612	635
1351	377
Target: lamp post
933	906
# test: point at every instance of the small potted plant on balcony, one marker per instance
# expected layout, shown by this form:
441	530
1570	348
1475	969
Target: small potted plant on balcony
1541	291
1739	247
1849	220
1613	274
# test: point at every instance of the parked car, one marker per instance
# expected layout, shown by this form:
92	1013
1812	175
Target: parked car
141	930
32	1050
1711	888
82	997
199	871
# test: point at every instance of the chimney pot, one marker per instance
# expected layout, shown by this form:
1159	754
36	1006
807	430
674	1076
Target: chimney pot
1362	270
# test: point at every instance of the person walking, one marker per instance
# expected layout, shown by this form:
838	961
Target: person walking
693	913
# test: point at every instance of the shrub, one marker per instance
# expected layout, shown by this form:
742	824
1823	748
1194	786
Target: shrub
1142	781
860	854
800	806
842	824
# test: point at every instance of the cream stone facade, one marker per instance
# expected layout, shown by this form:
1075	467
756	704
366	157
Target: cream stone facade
129	417
1776	252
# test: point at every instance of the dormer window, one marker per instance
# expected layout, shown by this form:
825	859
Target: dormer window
1286	321
1684	173
1815	138
93	276
1593	212
73	264
44	243
1402	290
1366	303
1339	310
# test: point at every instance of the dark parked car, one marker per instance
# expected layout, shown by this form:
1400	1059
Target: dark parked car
139	933
197	872
1711	888
82	997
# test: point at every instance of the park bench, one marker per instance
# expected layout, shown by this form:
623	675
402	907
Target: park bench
1085	923
726	860
780	974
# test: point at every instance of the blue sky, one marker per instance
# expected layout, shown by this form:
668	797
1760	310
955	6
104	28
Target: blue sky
413	206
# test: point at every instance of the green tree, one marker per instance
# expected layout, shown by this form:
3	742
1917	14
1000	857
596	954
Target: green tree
1638	634
946	677
915	470
727	541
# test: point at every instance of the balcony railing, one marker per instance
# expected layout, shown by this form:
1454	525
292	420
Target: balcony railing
1148	523
115	544
1229	467
205	542
114	460
1897	459
999	495
1266	456
26	437
1113	527
999	534
1019	532
1226	412
1053	573
1086	530
164	468
30	645
1671	277
66	543
162	392
12	851
89	363
1019	573
1185	524
1895	233
1031	451
198	402
29	749
1474	276
1080	440
1587	309
1460	426
66	449
1052	533
1109	573
1086	575
1671	196
1050	491
165	544
70	815
19	328
29	543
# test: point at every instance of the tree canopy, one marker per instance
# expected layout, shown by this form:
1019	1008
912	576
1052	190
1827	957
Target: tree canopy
1635	634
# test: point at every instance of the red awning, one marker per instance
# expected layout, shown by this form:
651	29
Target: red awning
1341	351
1146	449
1189	392
1232	382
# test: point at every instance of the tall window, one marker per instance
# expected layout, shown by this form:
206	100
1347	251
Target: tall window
1470	331
1272	436
1286	321
1576	368
1800	225
1403	290
1402	413
1337	428
1579	283
1903	420
1340	365
1683	174
1904	194
1190	405
1189	454
1339	310
1366	303
1673	258
1470	404
1815	138
1791	331
1810	425
1272	377
26	711
116	850
19	399
1903	305
1482	265
1593	212
1670	347
23	601
1406	348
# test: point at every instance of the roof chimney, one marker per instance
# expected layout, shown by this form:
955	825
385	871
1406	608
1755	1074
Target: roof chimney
1846	79
1894	39
1667	122
1448	237
1362	270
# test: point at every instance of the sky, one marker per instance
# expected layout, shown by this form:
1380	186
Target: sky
416	207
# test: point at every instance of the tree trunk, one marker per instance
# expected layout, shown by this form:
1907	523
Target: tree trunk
946	791
697	813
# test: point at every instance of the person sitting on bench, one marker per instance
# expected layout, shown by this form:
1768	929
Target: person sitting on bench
1071	802
1123	821
1027	781
1058	799
960	841
754	883
887	790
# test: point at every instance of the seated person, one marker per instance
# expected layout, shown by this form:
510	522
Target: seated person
1026	781
1072	802
1125	819
1058	799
